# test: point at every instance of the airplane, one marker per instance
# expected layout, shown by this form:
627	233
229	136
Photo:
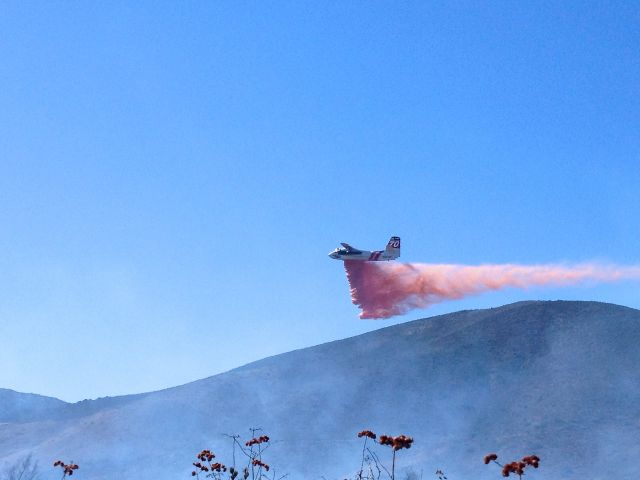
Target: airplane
347	252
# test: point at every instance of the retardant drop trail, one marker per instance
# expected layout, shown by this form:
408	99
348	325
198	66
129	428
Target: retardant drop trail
382	290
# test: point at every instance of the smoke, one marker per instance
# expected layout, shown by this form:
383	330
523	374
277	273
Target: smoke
382	290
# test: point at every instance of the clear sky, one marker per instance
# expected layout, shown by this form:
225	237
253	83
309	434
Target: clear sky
173	174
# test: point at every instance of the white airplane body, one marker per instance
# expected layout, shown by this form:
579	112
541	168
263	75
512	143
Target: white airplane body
347	252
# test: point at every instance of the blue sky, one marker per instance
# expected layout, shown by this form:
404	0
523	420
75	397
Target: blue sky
173	174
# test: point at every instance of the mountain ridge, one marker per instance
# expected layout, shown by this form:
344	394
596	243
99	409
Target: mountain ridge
526	376
249	364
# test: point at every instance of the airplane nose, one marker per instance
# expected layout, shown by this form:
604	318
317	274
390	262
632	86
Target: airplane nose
333	255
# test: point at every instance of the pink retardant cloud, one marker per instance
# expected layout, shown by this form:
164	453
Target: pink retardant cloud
382	290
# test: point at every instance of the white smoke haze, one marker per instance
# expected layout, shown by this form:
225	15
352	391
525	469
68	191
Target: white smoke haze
556	379
383	290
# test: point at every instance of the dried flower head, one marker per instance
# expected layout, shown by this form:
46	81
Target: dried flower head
507	469
532	460
492	457
206	455
401	441
259	463
397	443
68	468
258	440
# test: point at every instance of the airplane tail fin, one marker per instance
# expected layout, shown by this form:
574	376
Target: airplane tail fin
393	247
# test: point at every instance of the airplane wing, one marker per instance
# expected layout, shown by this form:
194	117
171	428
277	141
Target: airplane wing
349	248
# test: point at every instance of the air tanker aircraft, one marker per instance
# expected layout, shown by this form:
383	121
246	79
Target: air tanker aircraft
349	253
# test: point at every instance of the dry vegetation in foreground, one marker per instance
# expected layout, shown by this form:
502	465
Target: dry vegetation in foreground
24	469
371	467
513	467
256	468
67	468
252	450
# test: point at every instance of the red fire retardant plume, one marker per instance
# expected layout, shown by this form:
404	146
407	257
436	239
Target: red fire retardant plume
382	289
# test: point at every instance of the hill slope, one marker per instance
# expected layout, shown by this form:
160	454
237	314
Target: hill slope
559	379
23	407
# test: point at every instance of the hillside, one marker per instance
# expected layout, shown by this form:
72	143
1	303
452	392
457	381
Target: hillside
25	407
559	379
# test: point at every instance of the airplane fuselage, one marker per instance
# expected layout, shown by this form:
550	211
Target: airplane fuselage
363	255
